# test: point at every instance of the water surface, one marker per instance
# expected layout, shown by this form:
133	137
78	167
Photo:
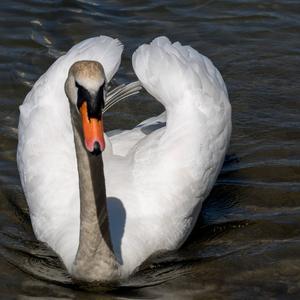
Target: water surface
246	243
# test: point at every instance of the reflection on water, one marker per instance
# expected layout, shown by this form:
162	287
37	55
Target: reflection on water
246	243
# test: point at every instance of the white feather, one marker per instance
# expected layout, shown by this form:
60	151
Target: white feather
157	174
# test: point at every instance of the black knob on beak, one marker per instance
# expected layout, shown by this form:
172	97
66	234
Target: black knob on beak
97	149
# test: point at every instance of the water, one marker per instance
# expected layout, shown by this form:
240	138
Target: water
246	243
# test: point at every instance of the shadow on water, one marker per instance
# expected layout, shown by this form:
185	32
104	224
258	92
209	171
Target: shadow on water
20	248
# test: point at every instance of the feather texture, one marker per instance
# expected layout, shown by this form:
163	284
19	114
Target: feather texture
157	174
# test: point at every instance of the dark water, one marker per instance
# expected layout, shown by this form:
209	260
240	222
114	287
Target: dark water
246	244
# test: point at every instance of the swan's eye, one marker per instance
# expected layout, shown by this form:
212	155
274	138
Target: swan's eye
82	95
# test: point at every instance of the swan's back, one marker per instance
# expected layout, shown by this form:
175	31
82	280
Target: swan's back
46	152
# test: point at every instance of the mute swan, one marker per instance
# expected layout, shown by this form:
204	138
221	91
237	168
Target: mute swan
105	212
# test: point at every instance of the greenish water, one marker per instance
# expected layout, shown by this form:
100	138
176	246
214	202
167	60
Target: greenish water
246	243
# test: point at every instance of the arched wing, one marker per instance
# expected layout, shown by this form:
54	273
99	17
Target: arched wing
46	151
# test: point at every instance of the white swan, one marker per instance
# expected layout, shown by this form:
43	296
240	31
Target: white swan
157	175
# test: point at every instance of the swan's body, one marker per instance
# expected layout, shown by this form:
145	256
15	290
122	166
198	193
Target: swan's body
157	174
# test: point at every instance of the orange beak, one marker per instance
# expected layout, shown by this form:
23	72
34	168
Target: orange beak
93	131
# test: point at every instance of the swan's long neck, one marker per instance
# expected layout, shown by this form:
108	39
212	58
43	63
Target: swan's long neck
95	260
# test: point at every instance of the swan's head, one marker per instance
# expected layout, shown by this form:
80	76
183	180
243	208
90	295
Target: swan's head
85	89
